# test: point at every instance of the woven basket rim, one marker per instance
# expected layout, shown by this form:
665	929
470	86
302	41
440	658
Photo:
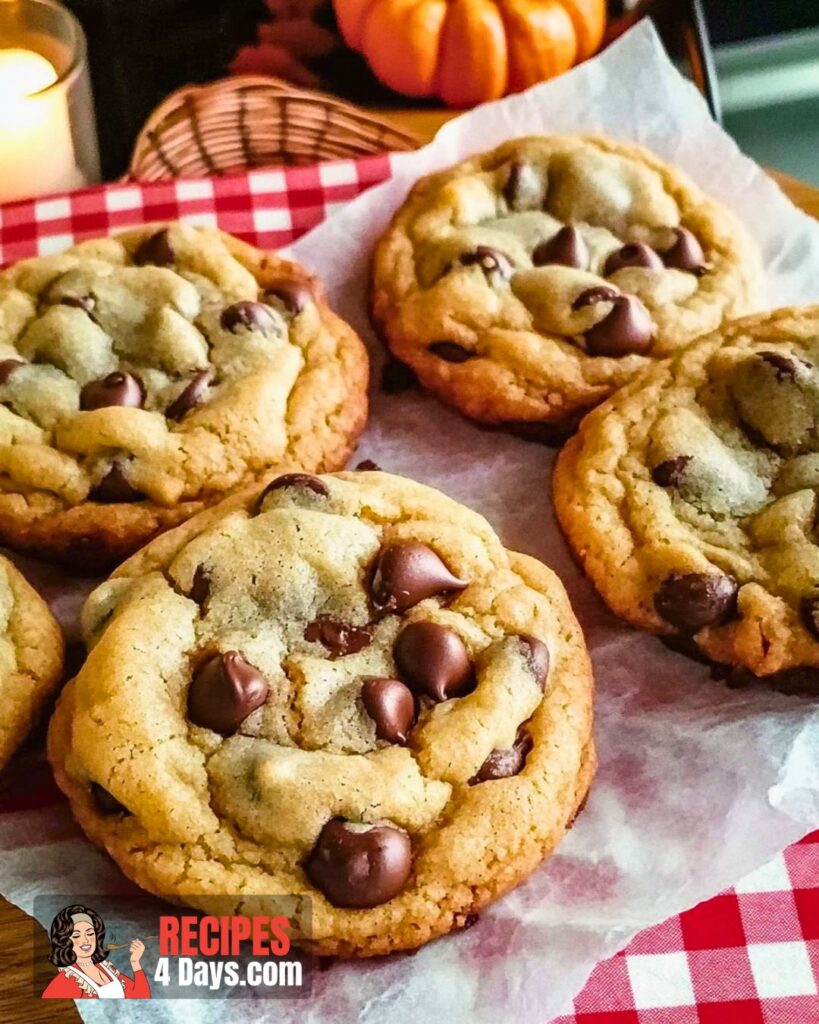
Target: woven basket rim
169	117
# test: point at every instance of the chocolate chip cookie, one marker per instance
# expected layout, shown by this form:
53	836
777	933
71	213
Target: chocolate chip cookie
340	687
31	658
691	498
524	285
144	376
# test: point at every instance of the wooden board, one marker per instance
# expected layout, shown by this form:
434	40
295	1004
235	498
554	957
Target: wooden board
17	1004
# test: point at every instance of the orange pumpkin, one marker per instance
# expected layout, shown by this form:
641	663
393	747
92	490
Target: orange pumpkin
470	51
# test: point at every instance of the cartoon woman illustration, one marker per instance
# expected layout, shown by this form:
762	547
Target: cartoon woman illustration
79	954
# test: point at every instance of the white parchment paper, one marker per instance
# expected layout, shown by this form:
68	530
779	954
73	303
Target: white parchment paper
697	785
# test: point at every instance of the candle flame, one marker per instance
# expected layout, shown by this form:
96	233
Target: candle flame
22	73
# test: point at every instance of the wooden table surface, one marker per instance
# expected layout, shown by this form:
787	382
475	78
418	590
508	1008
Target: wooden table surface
17	1005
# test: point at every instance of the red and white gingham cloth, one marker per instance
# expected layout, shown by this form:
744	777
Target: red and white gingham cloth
747	956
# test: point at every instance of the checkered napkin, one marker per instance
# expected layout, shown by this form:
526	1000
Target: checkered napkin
748	956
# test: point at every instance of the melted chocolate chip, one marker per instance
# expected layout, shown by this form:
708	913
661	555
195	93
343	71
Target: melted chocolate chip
537	657
253	316
294	296
626	330
591	296
491	261
7	368
200	586
193	395
118	388
156	249
784	367
224	691
634	254
671	472
567	248
523	189
696	599
686	253
359	868
503	764
450	352
296	482
407	573
114	488
433	660
339	638
368	466
397	377
810	615
106	802
391	705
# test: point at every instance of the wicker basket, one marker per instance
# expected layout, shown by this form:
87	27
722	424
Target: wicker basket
254	121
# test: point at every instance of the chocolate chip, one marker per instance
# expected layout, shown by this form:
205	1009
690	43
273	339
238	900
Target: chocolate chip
634	254
87	303
391	705
7	368
200	586
450	352
537	657
397	377
368	466
433	660
567	248
191	396
294	296
106	802
523	188
407	573
296	482
810	614
693	600
503	764
254	316
686	253
224	691
339	638
118	388
155	249
491	261
114	488
784	366
671	472
359	869
591	296
626	330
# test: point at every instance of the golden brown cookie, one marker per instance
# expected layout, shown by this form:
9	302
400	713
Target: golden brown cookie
690	497
31	658
342	687
144	376
526	284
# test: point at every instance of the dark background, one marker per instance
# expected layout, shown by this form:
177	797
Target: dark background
141	50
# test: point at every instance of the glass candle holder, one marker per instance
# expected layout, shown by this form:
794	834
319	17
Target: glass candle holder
48	137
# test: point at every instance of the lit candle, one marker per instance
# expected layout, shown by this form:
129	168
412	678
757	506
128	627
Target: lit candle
36	148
